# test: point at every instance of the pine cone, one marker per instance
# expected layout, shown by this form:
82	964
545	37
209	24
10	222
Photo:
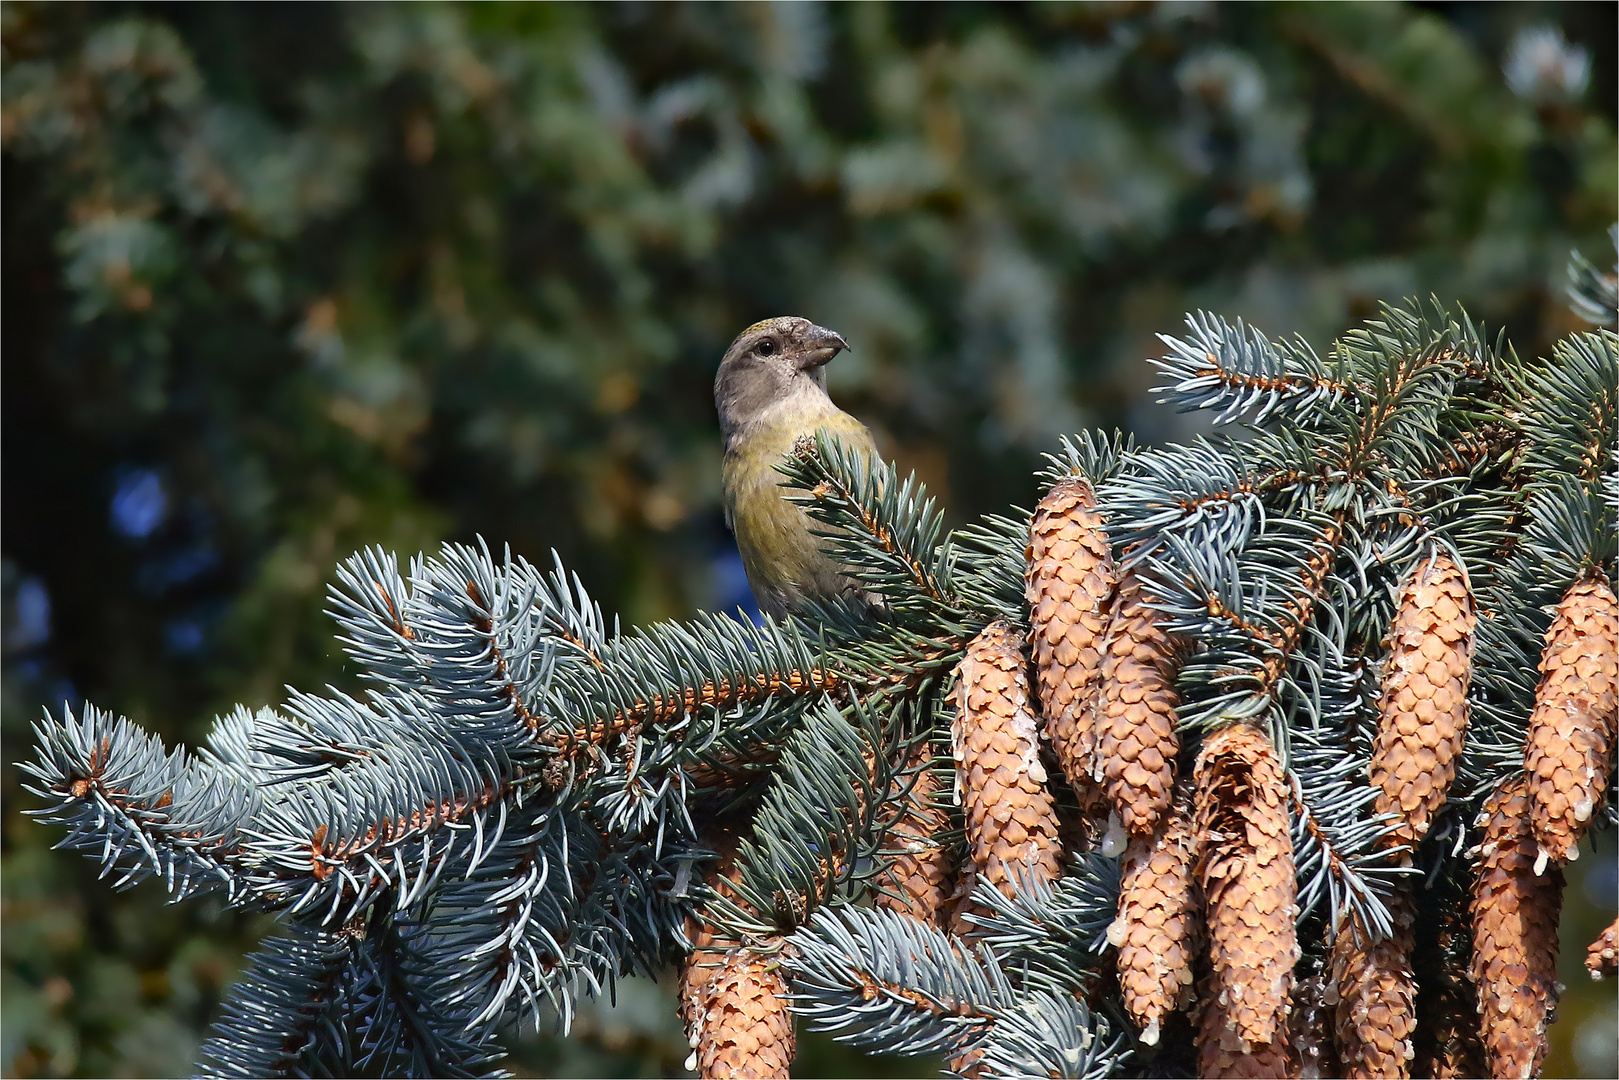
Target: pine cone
1376	1012
1448	1046
1135	730
917	878
1448	1039
732	1000
1246	870
708	949
1011	820
1571	732
1310	1028
1222	1052
1600	959
1515	915
741	1013
1158	922
1069	583
1424	703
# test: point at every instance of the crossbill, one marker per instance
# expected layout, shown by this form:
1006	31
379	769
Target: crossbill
770	391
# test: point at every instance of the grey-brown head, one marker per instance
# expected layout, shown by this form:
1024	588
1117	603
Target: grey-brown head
770	362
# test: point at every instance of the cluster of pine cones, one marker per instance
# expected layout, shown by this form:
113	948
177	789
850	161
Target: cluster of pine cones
1208	860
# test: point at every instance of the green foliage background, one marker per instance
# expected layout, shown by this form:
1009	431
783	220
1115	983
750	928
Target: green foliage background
283	280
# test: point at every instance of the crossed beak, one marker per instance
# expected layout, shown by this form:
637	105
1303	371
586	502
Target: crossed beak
820	345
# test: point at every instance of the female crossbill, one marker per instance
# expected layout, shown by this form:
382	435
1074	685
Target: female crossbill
770	391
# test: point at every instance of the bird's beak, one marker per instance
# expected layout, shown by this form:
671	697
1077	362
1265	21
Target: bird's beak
820	345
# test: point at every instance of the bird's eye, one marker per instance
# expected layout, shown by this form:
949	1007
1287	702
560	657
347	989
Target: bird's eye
767	347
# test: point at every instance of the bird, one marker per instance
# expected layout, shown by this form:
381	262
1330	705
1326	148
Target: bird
770	392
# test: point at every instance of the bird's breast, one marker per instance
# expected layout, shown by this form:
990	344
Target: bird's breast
780	552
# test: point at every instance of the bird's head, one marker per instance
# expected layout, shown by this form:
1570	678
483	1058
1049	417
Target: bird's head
770	362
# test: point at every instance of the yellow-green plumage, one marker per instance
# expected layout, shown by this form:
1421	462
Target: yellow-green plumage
770	392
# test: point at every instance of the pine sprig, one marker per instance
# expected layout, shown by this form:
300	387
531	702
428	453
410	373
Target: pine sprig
280	1018
1402	367
885	529
1097	456
1234	370
890	984
1593	295
1057	1035
1055	932
818	824
1575	405
141	810
1339	846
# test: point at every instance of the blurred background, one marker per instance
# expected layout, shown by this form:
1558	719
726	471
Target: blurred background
285	280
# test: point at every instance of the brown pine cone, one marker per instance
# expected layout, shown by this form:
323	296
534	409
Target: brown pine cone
1424	703
1601	958
1376	1011
1012	825
1249	889
1515	915
917	880
1136	742
1159	918
743	1024
1222	1052
732	1000
1571	733
708	947
1069	582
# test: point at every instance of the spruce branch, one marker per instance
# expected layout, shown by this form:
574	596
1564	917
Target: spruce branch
1345	863
819	823
279	1019
137	808
1593	295
888	983
1057	929
1232	370
885	528
526	803
1057	1035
